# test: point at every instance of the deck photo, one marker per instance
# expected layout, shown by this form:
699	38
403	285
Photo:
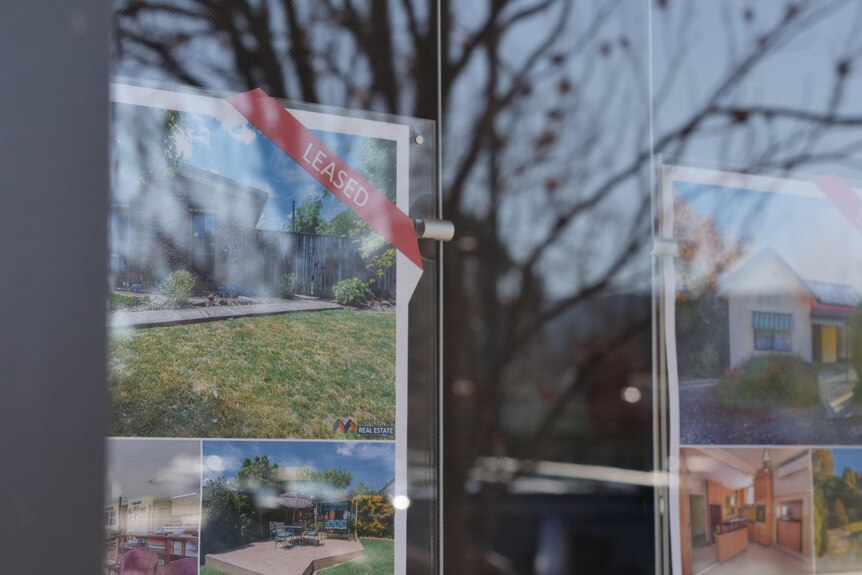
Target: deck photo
293	508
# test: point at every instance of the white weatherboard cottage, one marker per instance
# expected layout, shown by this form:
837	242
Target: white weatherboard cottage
771	309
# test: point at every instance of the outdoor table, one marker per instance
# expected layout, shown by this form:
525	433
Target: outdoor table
297	531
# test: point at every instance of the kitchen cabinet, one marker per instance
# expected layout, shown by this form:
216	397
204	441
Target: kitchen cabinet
790	534
763	501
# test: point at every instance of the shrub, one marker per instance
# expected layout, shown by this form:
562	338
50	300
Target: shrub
287	286
226	517
375	516
178	286
855	341
839	518
821	527
704	361
121	301
769	381
352	292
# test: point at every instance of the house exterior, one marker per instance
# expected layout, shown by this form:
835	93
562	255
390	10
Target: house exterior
195	220
771	309
205	223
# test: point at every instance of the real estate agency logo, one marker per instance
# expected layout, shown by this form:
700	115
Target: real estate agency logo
376	428
344	426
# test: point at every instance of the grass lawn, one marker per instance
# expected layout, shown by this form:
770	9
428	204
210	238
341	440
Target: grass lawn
379	559
290	375
205	570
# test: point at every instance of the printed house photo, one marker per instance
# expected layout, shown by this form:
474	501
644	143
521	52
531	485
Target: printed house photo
246	300
745	511
767	329
283	508
152	506
838	510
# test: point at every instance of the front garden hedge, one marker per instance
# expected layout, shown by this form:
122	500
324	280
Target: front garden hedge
769	381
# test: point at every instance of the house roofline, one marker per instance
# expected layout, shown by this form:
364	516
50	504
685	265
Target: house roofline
765	253
831	307
768	252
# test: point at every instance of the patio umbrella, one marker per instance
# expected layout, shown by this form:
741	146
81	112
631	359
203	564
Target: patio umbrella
295	500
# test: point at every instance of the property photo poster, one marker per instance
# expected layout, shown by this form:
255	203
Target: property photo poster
247	300
298	504
261	262
152	505
761	303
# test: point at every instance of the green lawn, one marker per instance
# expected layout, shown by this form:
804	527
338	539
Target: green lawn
210	571
379	559
289	375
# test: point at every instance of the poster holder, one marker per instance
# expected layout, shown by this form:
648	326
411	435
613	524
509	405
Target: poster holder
413	176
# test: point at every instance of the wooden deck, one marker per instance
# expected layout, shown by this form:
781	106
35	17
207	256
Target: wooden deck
262	558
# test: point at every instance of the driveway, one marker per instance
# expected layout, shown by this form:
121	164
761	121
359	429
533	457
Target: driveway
837	421
705	421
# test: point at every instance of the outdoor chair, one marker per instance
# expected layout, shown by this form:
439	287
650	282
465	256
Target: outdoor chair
185	566
311	535
139	562
283	536
272	530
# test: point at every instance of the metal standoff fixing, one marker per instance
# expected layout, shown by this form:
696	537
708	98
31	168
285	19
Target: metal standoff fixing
440	230
665	247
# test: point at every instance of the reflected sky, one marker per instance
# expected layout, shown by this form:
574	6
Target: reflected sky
804	231
245	155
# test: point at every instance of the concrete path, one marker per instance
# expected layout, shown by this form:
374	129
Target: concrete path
165	317
264	558
836	390
692	383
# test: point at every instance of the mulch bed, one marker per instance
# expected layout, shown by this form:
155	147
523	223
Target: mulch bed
158	302
704	421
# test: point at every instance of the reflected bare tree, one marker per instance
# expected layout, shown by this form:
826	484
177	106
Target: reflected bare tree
553	116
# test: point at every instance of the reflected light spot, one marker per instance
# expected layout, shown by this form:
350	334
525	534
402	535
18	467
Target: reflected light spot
463	387
214	463
401	502
631	394
467	244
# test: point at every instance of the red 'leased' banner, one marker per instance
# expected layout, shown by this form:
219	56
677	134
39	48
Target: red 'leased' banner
842	195
297	141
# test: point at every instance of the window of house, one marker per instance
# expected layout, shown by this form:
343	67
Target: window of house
772	331
203	244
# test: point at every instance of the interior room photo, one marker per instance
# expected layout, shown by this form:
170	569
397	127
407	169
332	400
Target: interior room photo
746	511
152	507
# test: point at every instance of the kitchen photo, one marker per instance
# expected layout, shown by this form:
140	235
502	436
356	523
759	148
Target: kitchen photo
152	506
745	511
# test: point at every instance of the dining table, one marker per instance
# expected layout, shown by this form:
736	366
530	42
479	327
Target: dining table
167	547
